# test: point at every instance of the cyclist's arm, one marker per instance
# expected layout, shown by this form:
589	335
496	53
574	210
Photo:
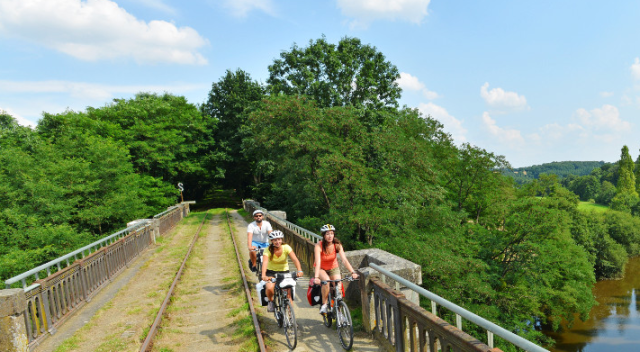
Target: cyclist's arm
346	263
316	263
250	239
295	261
265	263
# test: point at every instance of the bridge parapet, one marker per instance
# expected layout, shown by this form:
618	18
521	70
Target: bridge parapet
72	280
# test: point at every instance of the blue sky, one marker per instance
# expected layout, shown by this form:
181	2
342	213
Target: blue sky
535	81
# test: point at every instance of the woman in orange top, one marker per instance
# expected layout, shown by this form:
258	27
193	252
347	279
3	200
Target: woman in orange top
326	262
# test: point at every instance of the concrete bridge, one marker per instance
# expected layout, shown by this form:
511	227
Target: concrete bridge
44	312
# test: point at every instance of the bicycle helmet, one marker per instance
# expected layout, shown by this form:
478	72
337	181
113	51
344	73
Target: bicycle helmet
276	234
327	227
258	212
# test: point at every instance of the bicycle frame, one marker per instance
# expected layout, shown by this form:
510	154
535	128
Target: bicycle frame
338	310
283	311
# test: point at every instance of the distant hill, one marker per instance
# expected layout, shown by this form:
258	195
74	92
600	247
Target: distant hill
560	168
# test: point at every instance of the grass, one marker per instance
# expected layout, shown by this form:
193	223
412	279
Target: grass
586	206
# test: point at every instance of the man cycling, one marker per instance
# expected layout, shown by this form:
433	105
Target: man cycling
257	236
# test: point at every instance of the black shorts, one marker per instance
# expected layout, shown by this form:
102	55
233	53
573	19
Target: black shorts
272	273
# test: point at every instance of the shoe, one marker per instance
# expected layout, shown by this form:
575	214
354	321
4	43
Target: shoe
251	266
270	307
323	309
339	295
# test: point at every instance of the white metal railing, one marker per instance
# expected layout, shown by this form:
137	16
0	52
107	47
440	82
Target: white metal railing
463	313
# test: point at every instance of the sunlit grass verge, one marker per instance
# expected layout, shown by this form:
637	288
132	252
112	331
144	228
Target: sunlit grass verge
587	206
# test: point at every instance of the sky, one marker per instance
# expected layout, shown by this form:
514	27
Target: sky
535	81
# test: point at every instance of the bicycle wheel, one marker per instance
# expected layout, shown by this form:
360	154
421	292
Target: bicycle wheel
344	326
290	325
327	318
277	312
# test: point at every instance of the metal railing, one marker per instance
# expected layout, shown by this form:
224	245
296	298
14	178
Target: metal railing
72	281
413	334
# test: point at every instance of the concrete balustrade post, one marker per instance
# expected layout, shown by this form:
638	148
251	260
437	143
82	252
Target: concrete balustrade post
13	331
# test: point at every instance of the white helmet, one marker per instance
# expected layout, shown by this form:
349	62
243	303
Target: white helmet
327	227
258	212
276	234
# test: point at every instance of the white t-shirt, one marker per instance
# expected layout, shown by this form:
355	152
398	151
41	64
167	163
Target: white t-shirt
260	234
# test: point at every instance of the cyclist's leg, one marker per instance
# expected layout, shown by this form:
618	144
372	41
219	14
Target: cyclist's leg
325	288
334	274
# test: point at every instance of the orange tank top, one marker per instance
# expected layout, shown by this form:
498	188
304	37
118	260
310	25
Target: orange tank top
328	261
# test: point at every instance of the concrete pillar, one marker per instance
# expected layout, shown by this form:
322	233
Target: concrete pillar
13	332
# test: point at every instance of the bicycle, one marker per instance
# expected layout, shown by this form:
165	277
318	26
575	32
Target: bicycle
283	310
337	309
259	252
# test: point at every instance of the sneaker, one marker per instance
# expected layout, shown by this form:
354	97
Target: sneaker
270	307
323	309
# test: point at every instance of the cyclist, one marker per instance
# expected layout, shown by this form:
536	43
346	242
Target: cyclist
326	262
275	262
257	236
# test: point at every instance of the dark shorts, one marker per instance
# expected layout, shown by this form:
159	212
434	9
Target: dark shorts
272	273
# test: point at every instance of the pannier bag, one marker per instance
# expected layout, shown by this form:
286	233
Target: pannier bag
314	294
260	288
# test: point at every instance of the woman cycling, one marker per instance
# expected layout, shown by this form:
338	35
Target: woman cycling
274	261
326	262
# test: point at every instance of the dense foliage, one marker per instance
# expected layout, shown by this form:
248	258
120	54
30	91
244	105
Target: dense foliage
326	141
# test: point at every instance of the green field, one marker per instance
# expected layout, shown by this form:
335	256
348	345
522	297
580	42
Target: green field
586	206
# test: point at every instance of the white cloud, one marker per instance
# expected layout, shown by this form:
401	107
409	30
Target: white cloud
409	82
556	132
83	90
158	5
509	136
366	11
606	94
635	68
21	120
498	97
451	124
606	118
95	30
240	8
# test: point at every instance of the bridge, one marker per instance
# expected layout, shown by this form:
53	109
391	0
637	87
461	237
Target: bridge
102	297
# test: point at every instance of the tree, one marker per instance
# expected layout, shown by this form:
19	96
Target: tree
165	135
225	109
475	181
627	180
347	74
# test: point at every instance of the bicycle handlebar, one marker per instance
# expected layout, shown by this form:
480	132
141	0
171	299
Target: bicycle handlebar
293	276
347	278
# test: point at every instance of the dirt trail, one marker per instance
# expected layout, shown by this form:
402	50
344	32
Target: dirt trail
200	317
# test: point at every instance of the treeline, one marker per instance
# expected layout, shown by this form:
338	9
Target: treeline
561	169
325	140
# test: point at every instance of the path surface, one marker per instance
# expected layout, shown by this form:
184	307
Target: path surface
200	317
312	334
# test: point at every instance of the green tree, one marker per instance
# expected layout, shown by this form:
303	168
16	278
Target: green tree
347	74
166	136
627	180
225	109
